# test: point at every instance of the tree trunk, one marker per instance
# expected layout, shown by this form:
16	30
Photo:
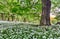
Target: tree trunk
8	17
2	16
12	17
24	20
17	18
45	17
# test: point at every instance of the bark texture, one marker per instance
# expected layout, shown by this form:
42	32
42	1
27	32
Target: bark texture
45	16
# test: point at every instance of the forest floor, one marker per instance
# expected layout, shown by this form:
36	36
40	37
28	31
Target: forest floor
14	30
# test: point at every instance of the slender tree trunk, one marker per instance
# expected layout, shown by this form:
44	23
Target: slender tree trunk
17	18
24	20
12	17
8	17
2	16
45	17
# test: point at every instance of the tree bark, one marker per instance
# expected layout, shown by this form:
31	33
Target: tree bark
45	17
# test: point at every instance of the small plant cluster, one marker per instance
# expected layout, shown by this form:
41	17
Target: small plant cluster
29	32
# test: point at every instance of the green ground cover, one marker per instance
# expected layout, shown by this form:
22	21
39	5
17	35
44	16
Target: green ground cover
30	32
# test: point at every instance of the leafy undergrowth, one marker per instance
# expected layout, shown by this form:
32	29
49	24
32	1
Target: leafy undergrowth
31	32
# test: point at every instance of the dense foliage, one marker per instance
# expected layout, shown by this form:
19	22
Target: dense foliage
22	9
30	32
56	8
30	10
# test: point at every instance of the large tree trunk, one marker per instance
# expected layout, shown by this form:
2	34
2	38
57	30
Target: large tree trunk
45	17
